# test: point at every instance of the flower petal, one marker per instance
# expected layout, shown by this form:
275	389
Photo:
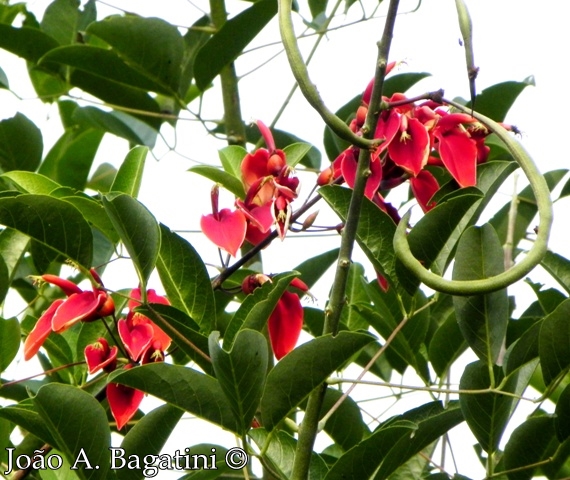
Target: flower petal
227	231
77	307
124	402
458	153
424	187
98	355
410	149
285	324
136	338
41	331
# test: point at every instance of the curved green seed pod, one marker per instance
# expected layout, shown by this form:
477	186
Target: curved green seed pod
466	28
533	257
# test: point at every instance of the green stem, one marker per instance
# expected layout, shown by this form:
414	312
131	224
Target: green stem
521	269
309	90
235	128
309	427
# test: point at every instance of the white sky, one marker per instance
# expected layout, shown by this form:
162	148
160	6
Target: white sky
512	40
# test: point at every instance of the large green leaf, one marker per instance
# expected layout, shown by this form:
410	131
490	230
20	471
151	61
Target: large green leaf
228	181
482	319
241	373
138	230
225	46
52	222
315	267
21	144
184	387
528	445
70	159
257	307
95	214
9	337
29	43
496	100
487	414
185	279
25	415
61	21
4	281
554	343
154	47
129	176
298	373
148	436
375	228
183	331
558	267
280	453
30	182
79	426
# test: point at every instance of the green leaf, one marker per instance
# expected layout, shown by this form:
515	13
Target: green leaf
446	345
296	152
255	310
70	159
430	235
562	419
559	269
231	158
315	267
298	373
60	21
30	182
487	414
129	176
9	336
52	222
118	123
21	144
138	230
225	46
79	426
102	179
151	45
29	43
526	210
4	284
241	373
25	415
95	214
184	387
527	445
148	437
281	453
482	318
104	63
194	39
375	228
228	181
496	100
4	80
554	343
185	279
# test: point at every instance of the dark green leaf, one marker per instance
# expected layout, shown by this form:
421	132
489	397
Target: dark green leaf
314	268
183	331
138	230
526	210
496	100
52	222
524	349
298	373
241	373
102	179
554	343
29	182
446	345
95	214
185	279
559	268
318	7
60	21
70	159
129	176
25	415
148	436
527	445
4	285
486	414
21	144
4	80
152	45
184	387
218	469
225	46
562	419
257	307
193	41
29	43
9	334
281	454
228	181
295	152
482	318
79	426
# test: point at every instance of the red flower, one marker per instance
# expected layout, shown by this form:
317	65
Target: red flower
80	306
424	187
123	401
99	356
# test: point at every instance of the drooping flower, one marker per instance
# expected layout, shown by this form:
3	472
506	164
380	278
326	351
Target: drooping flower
100	356
80	306
123	401
424	186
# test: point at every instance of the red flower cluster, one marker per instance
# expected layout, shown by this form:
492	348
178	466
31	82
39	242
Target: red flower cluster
286	320
270	188
413	136
142	339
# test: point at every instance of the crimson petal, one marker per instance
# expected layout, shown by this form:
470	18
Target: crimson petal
41	331
136	338
227	231
124	402
285	324
76	308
